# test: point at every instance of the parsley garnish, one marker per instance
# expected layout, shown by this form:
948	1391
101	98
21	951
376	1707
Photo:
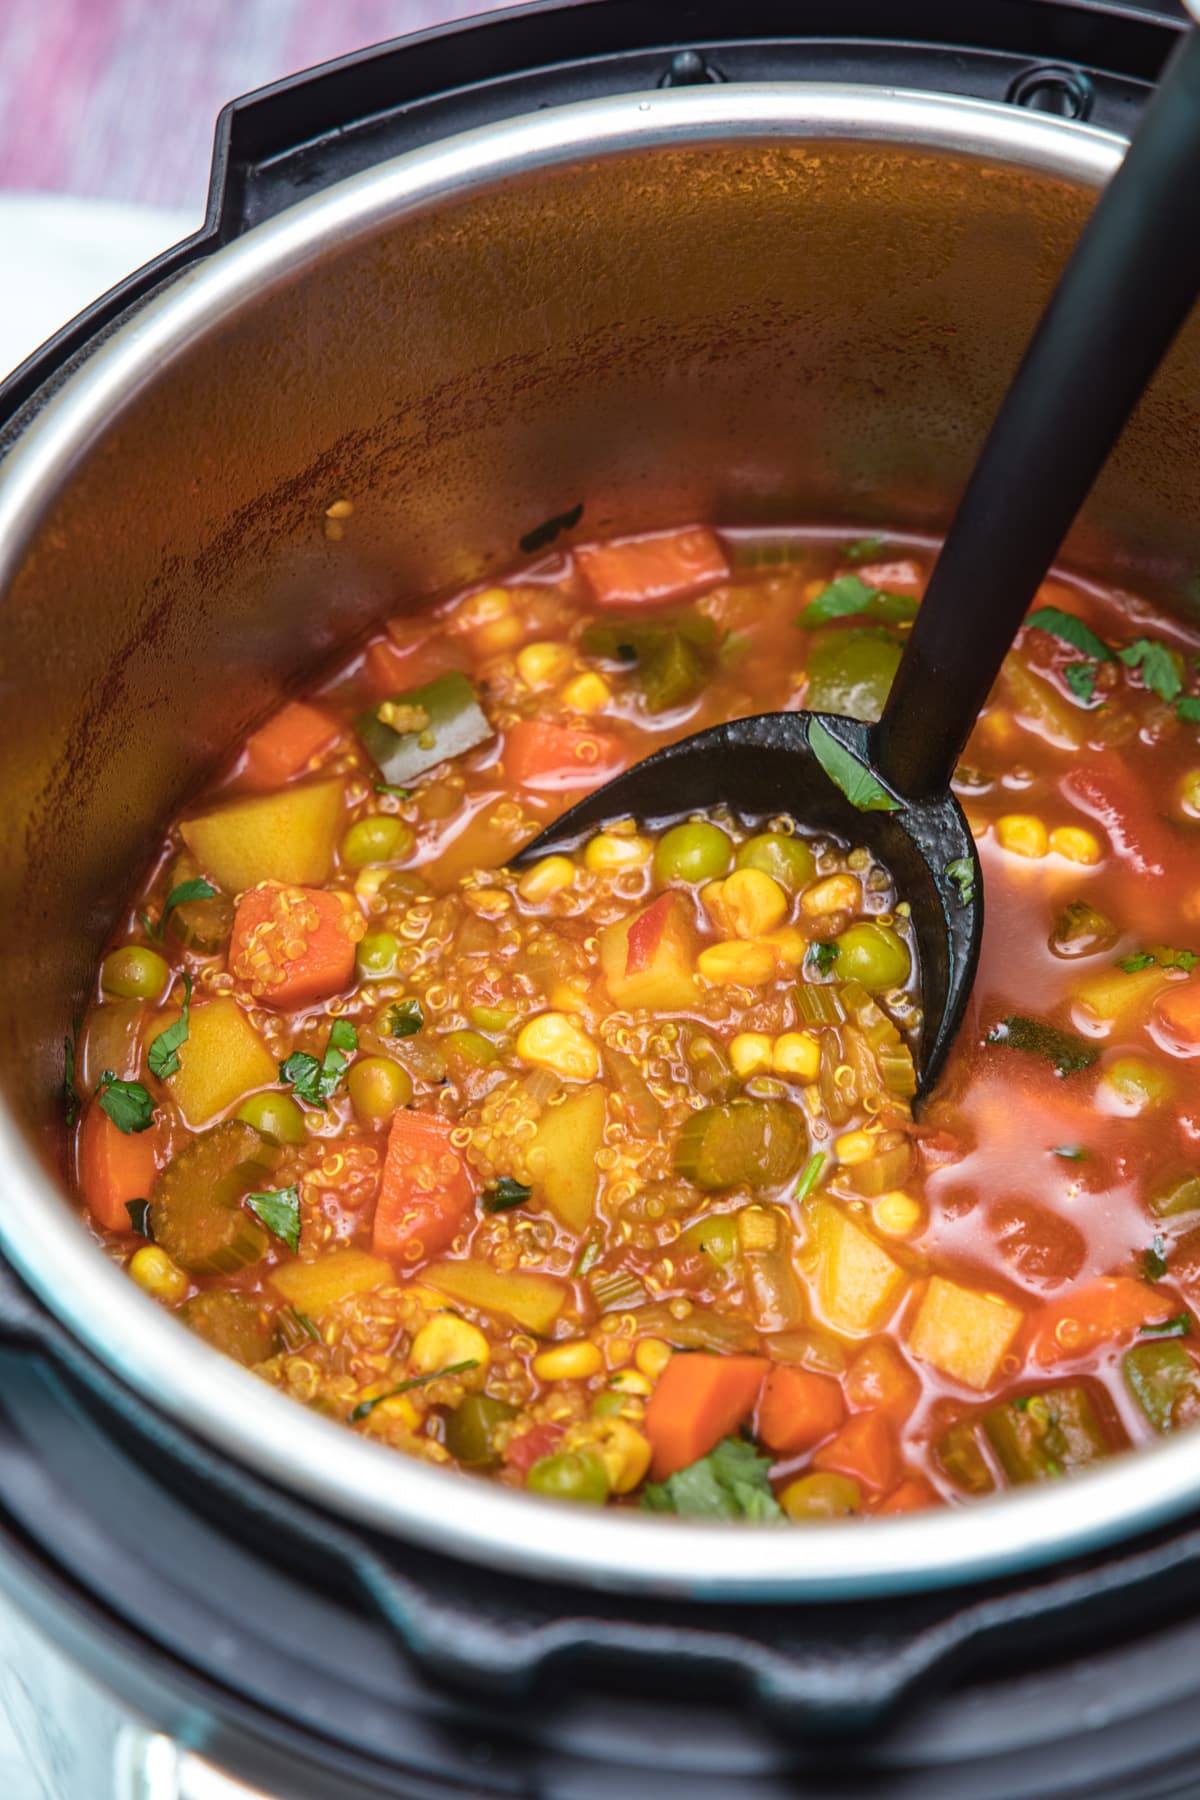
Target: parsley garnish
731	1482
405	1018
1071	630
506	1194
1154	1261
1162	956
846	772
164	1051
1081	679
139	1217
822	957
365	1407
849	597
962	873
1157	667
127	1103
1187	708
1179	1325
864	550
1068	1053
70	1091
811	1175
316	1081
1132	964
279	1211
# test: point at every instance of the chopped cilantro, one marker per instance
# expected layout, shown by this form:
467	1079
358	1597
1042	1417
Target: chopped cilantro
506	1194
1157	666
846	772
139	1217
279	1211
1071	630
822	957
731	1482
1068	1053
962	873
316	1081
1133	964
164	1051
1179	1325
127	1103
1081	679
1187	708
365	1407
1161	955
849	597
405	1018
811	1175
1154	1260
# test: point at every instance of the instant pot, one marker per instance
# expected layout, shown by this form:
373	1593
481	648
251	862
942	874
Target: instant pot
756	264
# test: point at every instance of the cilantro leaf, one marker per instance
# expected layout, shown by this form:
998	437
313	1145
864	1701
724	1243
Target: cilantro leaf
405	1018
316	1081
139	1217
1154	1261
1157	666
810	1176
195	889
731	1482
1179	1325
164	1051
127	1103
962	873
506	1194
822	957
1071	630
70	1091
864	550
1068	1053
1163	956
846	772
1132	964
365	1407
279	1211
849	596
1188	709
1081	679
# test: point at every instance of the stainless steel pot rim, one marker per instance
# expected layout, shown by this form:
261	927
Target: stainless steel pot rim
233	1410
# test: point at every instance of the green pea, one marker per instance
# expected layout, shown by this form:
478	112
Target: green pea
715	1237
609	1405
787	859
470	1047
695	852
377	954
276	1116
1136	1085
874	955
377	838
471	1430
378	1086
821	1497
570	1475
134	973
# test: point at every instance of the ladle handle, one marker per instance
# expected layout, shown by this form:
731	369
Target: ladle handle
1124	294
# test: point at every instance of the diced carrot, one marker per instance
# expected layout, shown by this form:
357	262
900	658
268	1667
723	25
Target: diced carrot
880	1377
552	758
1178	1009
270	922
698	1400
115	1166
1117	800
287	742
426	1191
865	1448
646	571
913	1494
1111	1307
520	1453
402	660
797	1409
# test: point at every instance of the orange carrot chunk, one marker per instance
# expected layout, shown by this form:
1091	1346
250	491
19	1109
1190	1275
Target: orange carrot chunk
797	1409
552	758
115	1167
293	946
865	1449
426	1191
1178	1009
284	745
1114	1306
646	571
913	1494
699	1399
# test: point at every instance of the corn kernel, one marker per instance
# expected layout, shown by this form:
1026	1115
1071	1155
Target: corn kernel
854	1146
837	893
750	1053
652	1357
542	665
157	1275
788	945
587	693
610	850
622	1449
1076	844
550	876
498	636
444	1340
630	1382
746	903
736	963
897	1214
568	1362
482	608
1023	834
796	1053
552	1041
1189	793
394	1409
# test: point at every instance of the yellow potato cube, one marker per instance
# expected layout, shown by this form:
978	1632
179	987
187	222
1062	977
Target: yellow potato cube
222	1060
963	1332
857	1283
532	1301
648	960
315	1287
286	836
562	1158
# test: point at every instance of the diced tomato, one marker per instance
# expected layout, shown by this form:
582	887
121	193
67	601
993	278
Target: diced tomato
520	1453
647	571
269	921
865	1449
1109	793
554	758
797	1409
286	743
1178	1011
115	1166
913	1494
646	933
426	1191
699	1400
1112	1307
880	1377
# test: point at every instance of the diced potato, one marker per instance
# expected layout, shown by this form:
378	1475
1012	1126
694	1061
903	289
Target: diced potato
648	960
857	1282
285	836
962	1332
562	1158
223	1060
1115	996
315	1287
532	1301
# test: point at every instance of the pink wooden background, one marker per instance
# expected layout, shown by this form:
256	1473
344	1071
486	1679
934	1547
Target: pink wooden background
117	98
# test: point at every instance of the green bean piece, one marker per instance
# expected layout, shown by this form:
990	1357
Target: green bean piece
1165	1382
377	838
276	1116
376	955
787	859
471	1430
416	730
850	672
759	1142
958	1451
821	1496
694	852
233	1324
134	973
874	955
470	1048
196	1209
378	1086
570	1475
1040	1437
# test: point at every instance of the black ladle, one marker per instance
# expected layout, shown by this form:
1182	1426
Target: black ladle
1127	289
